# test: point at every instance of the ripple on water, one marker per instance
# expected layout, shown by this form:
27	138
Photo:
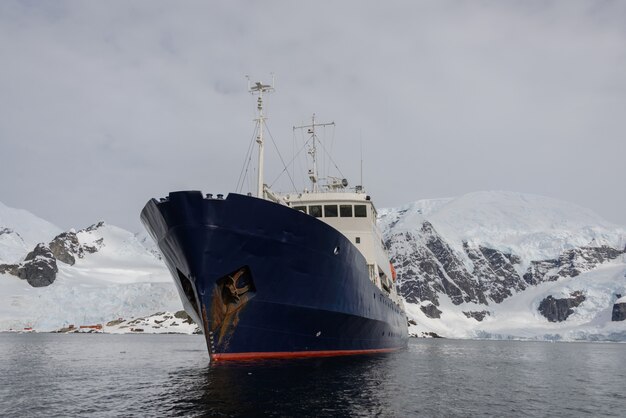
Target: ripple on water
170	375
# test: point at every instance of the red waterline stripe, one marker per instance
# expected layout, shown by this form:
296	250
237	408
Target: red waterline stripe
296	354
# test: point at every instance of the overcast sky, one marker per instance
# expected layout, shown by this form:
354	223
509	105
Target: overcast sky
104	105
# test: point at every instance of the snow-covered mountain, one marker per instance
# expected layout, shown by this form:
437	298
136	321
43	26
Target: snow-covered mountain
483	265
507	265
20	231
50	278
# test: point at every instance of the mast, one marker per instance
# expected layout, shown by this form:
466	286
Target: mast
313	150
258	89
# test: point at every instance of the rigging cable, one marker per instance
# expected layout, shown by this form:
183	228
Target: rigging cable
246	162
282	161
331	159
292	160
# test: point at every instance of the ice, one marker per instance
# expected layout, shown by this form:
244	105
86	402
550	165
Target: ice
533	228
125	278
122	279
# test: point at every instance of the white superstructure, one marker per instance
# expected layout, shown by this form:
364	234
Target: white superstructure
354	215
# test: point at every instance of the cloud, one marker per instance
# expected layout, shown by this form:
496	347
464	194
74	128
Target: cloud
103	105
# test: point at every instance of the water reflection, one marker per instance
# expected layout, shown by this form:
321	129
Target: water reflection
143	375
347	386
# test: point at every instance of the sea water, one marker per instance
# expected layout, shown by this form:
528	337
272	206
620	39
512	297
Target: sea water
170	375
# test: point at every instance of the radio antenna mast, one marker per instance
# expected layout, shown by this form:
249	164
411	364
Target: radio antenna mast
361	146
259	89
313	149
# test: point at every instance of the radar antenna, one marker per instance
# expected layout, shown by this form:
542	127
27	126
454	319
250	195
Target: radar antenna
259	89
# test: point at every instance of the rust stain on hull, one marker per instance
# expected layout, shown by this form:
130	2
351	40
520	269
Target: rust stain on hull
230	296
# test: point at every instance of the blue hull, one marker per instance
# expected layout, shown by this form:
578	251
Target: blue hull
265	280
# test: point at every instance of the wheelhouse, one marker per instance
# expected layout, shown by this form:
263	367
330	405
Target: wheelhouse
354	215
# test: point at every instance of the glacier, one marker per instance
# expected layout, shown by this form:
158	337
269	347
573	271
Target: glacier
123	278
495	256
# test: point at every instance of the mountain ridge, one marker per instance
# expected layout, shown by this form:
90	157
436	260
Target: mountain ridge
101	272
460	259
482	265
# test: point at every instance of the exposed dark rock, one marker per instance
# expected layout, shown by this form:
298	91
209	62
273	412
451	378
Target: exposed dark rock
411	322
39	267
619	312
94	227
430	334
115	322
40	250
9	269
569	264
98	244
428	267
419	276
477	315
184	316
538	269
398	215
461	286
431	311
495	271
558	310
65	246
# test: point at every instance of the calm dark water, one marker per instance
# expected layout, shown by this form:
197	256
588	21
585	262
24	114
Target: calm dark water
170	375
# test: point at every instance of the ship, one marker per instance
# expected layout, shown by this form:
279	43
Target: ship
281	275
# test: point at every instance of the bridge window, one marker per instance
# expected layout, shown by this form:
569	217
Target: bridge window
315	210
330	211
300	208
345	211
360	211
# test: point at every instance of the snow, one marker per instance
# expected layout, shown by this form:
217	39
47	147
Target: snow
125	278
533	228
12	247
122	279
518	318
530	226
159	323
22	231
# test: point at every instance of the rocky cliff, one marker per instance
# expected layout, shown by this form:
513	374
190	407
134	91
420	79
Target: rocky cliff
465	262
39	267
619	309
79	277
428	267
